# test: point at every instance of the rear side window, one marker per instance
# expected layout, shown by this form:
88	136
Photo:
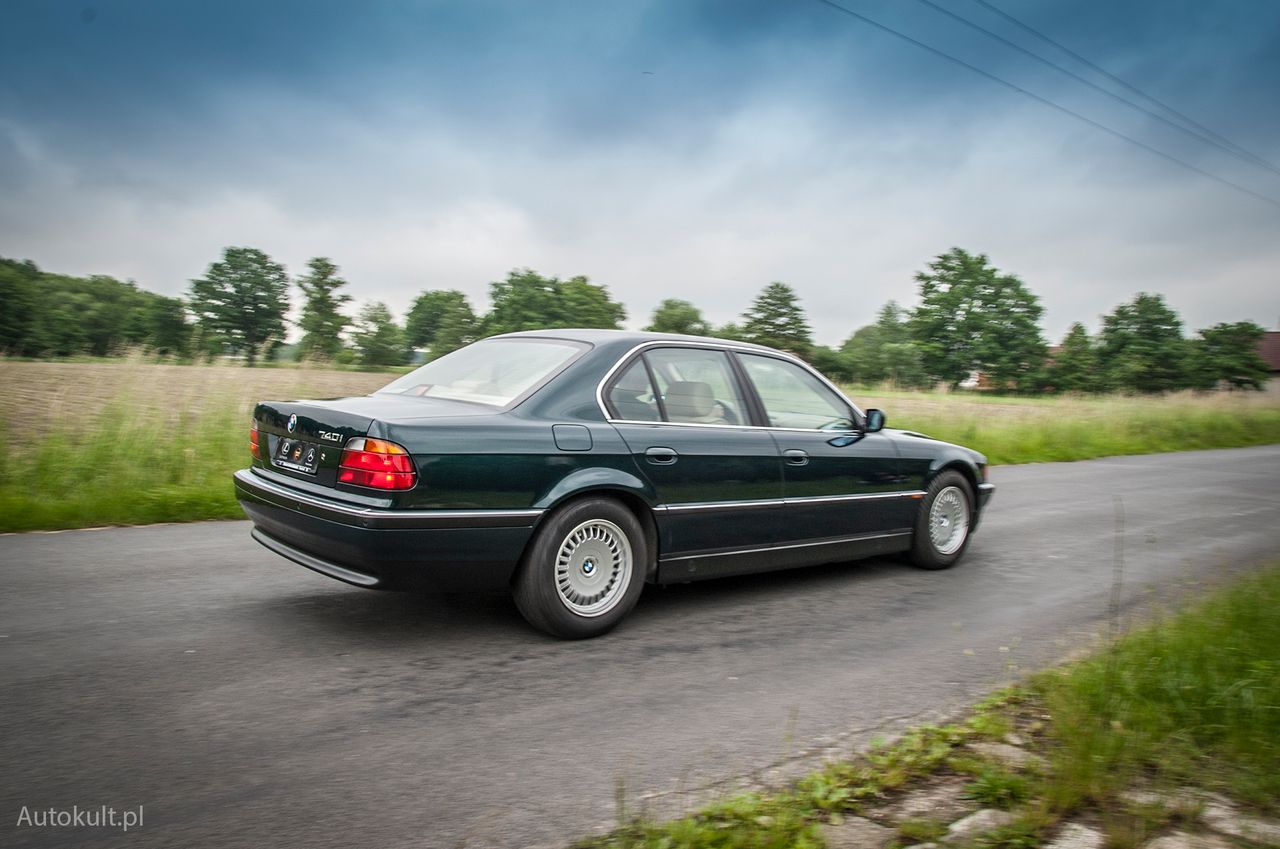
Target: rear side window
697	386
631	396
680	385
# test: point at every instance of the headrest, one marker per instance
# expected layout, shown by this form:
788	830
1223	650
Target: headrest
689	399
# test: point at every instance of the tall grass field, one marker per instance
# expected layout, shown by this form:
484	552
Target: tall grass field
89	444
120	443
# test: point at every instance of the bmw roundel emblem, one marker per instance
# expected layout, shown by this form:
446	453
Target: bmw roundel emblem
293	423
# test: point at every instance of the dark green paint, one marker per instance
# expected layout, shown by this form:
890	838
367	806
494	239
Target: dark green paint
556	445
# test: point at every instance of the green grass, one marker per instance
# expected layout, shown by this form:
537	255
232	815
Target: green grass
90	444
997	787
920	830
112	443
1192	700
124	468
793	818
1038	430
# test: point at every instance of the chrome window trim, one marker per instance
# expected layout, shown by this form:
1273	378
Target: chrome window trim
727	347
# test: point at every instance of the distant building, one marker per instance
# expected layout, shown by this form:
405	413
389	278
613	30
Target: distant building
1269	348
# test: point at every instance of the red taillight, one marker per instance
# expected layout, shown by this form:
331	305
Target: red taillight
376	463
253	442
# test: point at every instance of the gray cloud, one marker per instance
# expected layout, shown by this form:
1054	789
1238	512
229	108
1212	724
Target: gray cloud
786	146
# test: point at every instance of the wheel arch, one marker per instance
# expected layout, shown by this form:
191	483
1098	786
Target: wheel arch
624	488
965	469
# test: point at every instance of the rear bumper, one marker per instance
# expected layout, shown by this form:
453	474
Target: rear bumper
391	549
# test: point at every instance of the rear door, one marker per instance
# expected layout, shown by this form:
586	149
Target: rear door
838	482
683	414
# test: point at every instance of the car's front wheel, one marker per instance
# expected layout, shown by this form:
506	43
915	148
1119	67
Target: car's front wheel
584	570
944	522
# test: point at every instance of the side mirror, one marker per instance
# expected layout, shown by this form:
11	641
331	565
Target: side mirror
875	421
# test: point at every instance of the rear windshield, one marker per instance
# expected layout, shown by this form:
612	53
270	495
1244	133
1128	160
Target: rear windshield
495	372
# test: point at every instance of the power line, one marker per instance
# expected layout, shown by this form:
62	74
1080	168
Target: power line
1207	136
1046	101
1117	80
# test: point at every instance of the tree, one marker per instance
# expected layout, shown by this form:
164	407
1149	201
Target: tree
729	331
776	319
441	320
53	314
1141	346
528	301
1228	353
587	304
167	329
830	362
242	300
378	338
321	323
884	350
18	307
1075	367
972	318
676	316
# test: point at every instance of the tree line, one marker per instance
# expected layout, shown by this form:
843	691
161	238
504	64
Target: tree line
971	320
44	314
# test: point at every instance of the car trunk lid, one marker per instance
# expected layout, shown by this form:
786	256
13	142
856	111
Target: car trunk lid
305	439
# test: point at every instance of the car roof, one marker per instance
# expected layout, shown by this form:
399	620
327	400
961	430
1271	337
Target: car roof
634	337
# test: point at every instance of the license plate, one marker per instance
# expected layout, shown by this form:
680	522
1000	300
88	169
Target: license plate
297	455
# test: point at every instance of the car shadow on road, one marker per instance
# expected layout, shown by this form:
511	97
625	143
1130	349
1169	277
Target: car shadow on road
409	617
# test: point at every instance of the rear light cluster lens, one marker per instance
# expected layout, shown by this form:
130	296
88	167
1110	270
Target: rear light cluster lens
254	448
376	463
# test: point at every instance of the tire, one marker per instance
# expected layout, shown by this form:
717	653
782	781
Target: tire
945	522
584	570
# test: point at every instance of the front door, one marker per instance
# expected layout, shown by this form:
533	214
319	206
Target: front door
838	482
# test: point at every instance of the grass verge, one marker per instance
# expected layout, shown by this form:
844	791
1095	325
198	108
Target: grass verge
88	444
1038	430
102	443
1191	701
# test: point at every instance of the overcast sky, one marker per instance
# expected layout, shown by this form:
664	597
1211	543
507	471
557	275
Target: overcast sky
680	148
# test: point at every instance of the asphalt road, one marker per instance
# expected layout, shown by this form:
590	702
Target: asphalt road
244	701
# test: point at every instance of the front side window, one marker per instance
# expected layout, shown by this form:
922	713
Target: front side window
794	398
495	372
697	386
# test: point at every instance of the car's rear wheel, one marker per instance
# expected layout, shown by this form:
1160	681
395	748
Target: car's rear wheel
584	570
944	522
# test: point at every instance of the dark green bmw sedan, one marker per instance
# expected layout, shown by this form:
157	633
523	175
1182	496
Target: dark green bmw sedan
574	466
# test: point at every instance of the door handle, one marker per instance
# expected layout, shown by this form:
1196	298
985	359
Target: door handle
660	456
796	457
